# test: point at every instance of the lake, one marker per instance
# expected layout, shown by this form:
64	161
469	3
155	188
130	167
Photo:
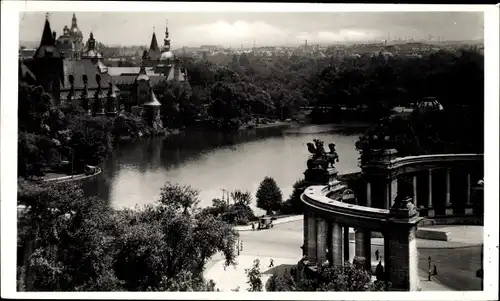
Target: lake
212	161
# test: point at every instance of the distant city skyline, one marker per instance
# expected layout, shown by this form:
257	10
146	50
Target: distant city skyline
193	29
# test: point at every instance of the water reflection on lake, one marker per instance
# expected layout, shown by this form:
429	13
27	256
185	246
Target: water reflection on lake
212	161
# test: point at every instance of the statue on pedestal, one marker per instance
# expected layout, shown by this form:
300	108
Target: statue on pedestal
319	157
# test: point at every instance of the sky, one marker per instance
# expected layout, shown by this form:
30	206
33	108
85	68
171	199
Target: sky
265	28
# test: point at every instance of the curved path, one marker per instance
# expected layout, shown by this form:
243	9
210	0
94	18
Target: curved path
457	260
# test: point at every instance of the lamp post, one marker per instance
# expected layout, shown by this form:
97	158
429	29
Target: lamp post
429	277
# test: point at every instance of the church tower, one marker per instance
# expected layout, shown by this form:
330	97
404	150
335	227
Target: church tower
76	37
166	41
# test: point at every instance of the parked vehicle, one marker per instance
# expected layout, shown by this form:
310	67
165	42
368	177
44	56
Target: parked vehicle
265	223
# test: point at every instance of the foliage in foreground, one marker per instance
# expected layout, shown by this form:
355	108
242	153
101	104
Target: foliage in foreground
67	242
254	277
350	277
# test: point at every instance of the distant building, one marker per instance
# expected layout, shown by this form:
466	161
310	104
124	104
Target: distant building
70	43
82	82
157	65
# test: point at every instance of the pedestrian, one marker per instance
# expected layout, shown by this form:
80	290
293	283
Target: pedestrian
253	227
379	271
271	263
377	253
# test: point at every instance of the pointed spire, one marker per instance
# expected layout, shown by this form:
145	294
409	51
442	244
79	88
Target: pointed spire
154	43
166	40
73	21
47	38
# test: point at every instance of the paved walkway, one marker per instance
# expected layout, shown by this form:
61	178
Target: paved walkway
457	260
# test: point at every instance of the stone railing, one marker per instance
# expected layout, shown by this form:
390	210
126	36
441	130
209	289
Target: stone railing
327	221
441	185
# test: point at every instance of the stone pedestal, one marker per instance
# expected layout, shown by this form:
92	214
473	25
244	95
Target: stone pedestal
431	212
469	211
319	176
448	211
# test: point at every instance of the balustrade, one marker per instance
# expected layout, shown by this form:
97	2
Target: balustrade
327	222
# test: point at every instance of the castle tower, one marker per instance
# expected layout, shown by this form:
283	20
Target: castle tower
48	63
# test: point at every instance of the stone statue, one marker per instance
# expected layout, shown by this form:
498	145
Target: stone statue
404	204
332	157
319	157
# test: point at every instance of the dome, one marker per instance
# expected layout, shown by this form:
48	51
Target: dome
76	32
166	55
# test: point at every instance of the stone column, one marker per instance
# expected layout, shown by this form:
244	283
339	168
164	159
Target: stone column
415	190
335	247
391	190
311	241
306	234
387	196
430	210
346	244
448	208
401	257
363	245
468	205
368	194
321	240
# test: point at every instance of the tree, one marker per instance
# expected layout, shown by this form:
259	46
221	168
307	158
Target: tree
269	196
77	243
240	197
66	246
254	277
294	204
90	140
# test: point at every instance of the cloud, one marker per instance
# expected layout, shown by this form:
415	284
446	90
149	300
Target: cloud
243	32
223	32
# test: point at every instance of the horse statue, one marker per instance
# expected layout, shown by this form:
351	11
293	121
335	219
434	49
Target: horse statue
319	157
332	157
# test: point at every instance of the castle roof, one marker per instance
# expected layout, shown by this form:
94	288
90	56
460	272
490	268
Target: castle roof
78	68
47	46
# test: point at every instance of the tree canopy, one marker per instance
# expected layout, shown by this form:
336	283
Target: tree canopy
269	196
70	242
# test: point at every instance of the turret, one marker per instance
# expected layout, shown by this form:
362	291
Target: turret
112	99
85	94
154	43
166	41
71	94
98	108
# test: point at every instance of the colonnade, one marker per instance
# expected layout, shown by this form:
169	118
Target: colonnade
390	191
329	240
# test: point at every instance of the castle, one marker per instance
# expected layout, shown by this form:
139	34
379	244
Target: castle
74	73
